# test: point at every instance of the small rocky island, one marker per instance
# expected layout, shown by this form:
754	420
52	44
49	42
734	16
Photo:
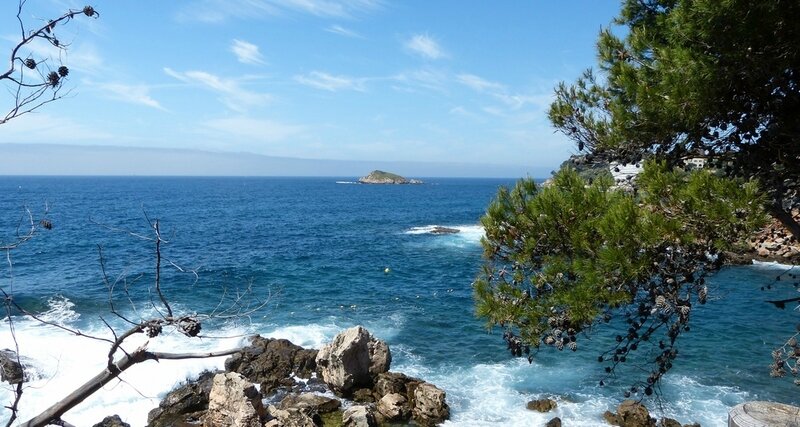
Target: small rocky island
381	177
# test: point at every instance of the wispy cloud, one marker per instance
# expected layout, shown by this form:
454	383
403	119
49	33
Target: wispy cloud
498	91
425	46
134	94
325	81
338	29
255	130
213	11
233	95
247	53
426	78
479	84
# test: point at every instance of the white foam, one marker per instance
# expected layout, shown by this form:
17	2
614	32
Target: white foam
497	394
772	265
66	361
346	182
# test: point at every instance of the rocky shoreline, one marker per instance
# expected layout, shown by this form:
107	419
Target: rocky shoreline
346	383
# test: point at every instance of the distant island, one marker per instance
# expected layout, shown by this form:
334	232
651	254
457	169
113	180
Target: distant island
381	177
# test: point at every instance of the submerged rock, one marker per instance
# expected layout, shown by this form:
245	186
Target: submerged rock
353	360
444	230
542	405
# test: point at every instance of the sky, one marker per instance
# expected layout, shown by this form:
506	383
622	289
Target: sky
467	82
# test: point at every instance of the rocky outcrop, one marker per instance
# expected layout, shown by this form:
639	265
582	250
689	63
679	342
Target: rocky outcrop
355	364
630	413
11	370
444	230
112	421
381	177
542	405
272	362
185	405
775	243
233	402
429	406
393	407
359	416
353	360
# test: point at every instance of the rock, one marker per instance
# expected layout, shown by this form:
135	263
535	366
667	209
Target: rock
633	414
692	425
611	418
292	418
444	230
11	370
112	421
555	422
359	416
393	407
310	401
394	382
271	362
668	422
364	395
184	405
381	177
430	406
233	402
542	405
353	360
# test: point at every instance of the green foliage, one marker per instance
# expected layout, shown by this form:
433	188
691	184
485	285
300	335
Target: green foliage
562	257
719	77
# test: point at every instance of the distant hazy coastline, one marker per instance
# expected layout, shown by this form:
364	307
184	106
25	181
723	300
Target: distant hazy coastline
56	159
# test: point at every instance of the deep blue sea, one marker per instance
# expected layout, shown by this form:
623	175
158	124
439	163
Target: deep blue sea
315	256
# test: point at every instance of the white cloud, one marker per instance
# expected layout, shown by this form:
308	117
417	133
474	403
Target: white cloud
255	130
479	84
338	29
214	11
425	46
247	53
134	94
325	81
233	95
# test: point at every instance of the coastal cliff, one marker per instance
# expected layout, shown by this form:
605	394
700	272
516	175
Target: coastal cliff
381	177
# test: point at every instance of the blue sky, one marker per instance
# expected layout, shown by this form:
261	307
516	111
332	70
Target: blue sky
454	81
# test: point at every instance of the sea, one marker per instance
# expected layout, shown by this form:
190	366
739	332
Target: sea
304	259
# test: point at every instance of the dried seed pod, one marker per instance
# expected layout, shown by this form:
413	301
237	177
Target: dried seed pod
30	63
63	71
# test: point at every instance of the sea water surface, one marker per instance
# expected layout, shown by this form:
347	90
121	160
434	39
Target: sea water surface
315	257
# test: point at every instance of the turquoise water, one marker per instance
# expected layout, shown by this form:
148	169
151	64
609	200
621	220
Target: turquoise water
314	253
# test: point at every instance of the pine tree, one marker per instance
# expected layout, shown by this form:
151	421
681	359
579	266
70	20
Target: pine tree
716	78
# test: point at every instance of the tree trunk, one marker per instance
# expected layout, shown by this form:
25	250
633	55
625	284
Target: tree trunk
786	220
